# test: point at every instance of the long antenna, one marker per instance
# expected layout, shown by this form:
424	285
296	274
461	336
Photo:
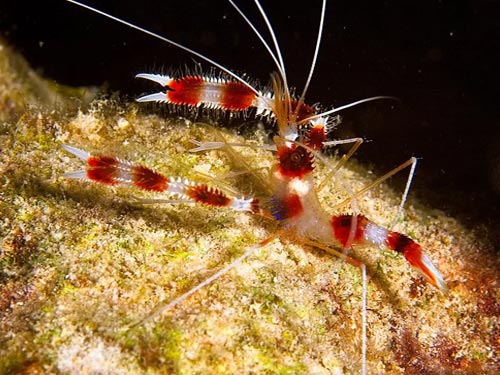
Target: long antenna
349	105
277	47
315	57
280	67
166	40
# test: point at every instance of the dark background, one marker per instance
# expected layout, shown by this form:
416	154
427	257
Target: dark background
440	58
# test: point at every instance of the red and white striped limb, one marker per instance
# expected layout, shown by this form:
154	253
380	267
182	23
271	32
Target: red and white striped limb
223	94
109	170
210	92
357	229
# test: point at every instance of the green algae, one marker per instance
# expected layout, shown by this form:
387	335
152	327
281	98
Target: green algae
81	262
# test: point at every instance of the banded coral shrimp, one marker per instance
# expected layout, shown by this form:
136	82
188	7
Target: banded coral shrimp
280	210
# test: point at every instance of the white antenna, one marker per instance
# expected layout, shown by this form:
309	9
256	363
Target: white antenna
353	104
315	57
280	67
169	41
277	48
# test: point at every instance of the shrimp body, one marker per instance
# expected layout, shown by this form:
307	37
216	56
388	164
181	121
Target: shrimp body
292	197
301	135
295	203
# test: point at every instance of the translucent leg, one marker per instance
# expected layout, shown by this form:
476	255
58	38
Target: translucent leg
162	307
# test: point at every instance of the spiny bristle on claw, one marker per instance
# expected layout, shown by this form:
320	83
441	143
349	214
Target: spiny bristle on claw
195	90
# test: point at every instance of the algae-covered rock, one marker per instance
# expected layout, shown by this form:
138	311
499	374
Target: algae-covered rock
81	263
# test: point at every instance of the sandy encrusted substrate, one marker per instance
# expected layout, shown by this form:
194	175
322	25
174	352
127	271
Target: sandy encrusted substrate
81	262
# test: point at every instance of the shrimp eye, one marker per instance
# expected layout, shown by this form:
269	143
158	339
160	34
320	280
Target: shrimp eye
295	161
296	157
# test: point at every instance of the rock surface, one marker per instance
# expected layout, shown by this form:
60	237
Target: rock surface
80	263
